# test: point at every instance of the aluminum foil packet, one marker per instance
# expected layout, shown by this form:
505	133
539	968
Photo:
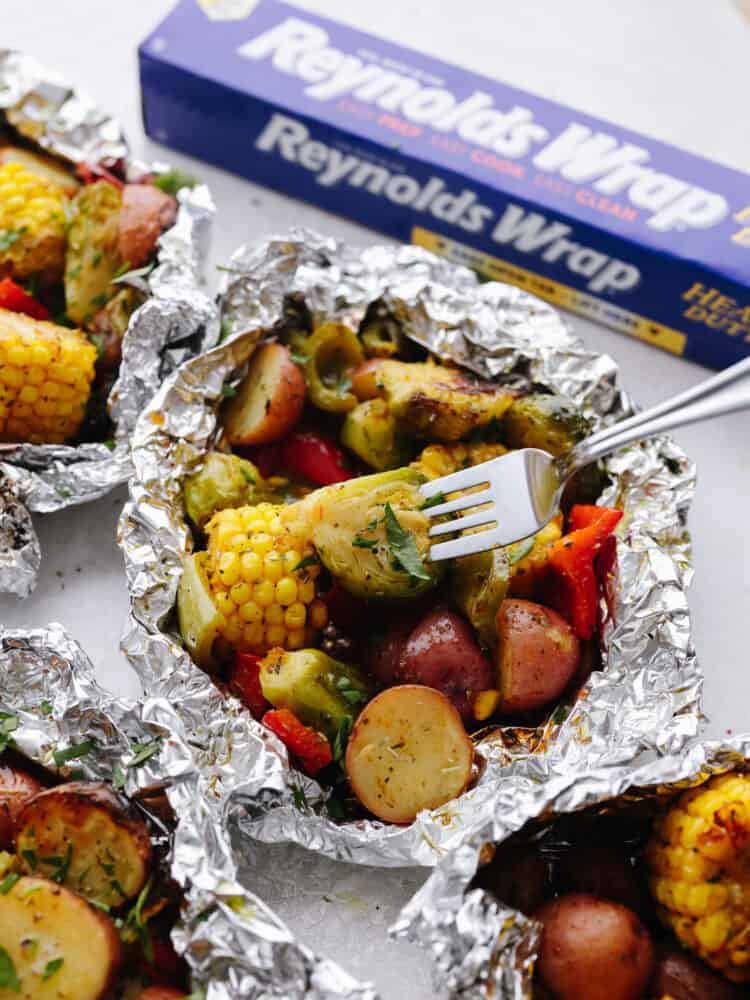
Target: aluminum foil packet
646	696
176	320
233	943
484	949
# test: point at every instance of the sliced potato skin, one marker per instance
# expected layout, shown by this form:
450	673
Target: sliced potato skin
16	788
408	751
269	400
99	846
41	922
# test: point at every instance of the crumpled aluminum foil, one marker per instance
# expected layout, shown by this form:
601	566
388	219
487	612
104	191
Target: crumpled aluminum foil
234	944
644	699
488	950
175	322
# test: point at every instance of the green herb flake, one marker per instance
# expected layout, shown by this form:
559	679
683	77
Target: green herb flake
560	714
8	725
99	300
174	180
64	867
51	968
46	708
97	259
304	563
8	882
298	358
298	797
73	272
143	752
99	906
225	328
8	975
118	778
30	858
109	443
73	752
122	269
359	542
433	501
227	390
9	236
403	547
341	739
122	277
97	339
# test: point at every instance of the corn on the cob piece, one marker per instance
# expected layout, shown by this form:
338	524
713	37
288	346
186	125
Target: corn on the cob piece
32	225
46	373
263	574
699	858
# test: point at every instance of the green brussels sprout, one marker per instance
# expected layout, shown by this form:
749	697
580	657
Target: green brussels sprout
370	431
552	423
322	692
224	481
371	534
478	584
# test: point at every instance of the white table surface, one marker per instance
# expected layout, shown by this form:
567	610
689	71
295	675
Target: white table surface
675	69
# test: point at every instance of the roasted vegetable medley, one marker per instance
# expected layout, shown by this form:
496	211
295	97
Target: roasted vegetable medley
73	243
635	907
85	907
311	594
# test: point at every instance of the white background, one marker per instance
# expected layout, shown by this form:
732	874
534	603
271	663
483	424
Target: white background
678	70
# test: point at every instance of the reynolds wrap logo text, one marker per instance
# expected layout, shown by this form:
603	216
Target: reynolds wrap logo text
577	154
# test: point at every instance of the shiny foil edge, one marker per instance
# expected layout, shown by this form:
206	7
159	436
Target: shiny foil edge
176	321
646	698
235	945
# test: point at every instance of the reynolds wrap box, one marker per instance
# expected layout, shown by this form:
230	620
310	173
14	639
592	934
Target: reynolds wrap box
622	229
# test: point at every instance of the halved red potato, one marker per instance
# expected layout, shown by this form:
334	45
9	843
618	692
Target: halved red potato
145	213
269	400
82	834
61	947
537	655
16	788
408	751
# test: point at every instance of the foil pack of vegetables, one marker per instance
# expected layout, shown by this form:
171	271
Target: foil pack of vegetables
645	697
484	949
175	320
233	943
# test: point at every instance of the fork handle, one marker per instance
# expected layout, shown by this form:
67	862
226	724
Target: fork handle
708	399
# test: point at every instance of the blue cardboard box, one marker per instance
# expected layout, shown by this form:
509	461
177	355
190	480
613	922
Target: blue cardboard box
624	230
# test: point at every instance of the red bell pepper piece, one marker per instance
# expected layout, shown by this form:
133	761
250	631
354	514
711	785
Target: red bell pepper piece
245	683
311	748
314	457
17	299
88	173
574	590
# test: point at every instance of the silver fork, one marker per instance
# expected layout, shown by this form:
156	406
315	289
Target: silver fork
521	490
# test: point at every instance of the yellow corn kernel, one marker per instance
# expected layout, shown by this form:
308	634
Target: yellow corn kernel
254	635
306	591
272	566
274	615
229	568
264	593
286	591
295	639
295	616
318	614
252	566
251	612
275	635
224	603
240	592
261	543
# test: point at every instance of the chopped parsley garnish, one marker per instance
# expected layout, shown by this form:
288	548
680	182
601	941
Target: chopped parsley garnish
351	694
8	975
62	864
143	752
298	797
174	180
9	236
360	542
228	390
122	269
30	858
403	547
248	476
8	725
121	277
304	563
520	550
433	501
52	967
73	752
97	339
110	443
560	714
73	272
298	357
134	921
225	328
97	259
99	300
46	708
8	882
118	778
341	739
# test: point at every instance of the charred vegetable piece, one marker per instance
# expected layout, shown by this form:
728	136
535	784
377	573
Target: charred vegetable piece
16	789
198	616
370	430
145	213
381	334
593	949
372	535
84	836
224	481
93	256
552	423
478	585
269	400
529	560
438	403
698	872
537	656
408	751
56	946
441	652
322	692
32	225
46	407
333	353
310	747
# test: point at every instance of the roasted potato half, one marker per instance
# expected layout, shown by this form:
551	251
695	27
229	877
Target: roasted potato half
57	946
83	835
16	788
